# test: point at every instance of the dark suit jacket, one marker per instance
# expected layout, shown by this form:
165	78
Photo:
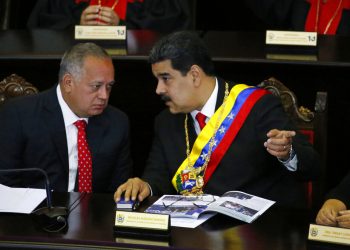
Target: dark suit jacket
32	134
341	191
246	166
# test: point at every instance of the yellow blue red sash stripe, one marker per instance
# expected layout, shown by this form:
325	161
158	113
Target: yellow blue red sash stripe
228	119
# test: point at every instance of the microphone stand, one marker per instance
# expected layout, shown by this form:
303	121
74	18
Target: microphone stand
49	214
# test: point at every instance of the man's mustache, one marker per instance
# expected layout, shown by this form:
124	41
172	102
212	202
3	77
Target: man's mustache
165	98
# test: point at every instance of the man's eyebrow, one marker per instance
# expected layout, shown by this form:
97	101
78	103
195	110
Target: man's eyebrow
163	74
99	82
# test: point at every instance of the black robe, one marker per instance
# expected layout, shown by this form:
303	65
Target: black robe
290	14
159	15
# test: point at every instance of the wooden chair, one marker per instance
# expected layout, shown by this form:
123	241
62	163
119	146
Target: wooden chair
13	86
311	123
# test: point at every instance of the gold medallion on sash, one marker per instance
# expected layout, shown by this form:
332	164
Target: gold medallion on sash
199	182
196	175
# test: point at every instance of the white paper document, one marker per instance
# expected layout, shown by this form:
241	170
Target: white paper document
20	200
189	222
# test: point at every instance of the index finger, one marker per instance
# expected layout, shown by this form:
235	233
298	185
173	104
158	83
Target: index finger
119	192
93	9
273	132
344	212
288	133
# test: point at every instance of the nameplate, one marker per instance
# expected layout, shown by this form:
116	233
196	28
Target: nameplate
293	38
329	234
142	222
292	57
142	242
86	32
116	51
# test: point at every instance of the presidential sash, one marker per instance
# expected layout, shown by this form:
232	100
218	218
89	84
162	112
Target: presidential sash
220	132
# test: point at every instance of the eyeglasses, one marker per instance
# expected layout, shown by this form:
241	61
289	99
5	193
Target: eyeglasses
180	198
205	201
201	201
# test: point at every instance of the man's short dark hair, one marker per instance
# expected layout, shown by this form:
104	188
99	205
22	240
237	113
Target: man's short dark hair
183	49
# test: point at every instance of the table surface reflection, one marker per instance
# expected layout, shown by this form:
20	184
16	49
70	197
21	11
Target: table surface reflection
92	216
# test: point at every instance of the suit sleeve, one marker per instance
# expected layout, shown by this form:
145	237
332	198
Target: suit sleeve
115	165
11	143
270	114
341	191
156	172
123	167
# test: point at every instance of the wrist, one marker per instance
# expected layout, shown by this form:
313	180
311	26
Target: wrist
291	156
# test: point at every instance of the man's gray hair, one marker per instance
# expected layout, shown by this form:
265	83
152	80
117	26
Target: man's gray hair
73	59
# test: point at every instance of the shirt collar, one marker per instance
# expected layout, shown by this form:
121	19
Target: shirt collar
68	115
209	107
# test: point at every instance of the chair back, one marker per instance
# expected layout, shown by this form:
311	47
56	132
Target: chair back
312	123
13	86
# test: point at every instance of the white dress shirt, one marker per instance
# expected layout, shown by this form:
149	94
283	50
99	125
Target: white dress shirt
71	133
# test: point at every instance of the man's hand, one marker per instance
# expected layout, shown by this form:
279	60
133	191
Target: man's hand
328	214
133	188
97	15
107	16
89	15
279	143
343	218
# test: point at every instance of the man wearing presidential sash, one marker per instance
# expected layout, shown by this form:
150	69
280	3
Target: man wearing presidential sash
243	139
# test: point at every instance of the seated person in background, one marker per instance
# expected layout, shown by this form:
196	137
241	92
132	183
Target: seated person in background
247	144
322	16
159	15
40	131
335	210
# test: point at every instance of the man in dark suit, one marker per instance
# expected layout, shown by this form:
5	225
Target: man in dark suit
38	131
335	211
248	142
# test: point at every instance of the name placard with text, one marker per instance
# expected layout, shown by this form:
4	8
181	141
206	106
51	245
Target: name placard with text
329	234
136	223
87	32
293	38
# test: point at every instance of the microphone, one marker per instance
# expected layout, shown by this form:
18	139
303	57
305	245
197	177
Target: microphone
53	218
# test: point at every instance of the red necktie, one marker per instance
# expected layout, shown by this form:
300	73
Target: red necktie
84	159
201	119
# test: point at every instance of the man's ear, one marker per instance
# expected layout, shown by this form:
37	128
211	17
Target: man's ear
195	73
67	82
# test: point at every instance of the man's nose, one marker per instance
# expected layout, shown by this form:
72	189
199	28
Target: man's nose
160	88
103	92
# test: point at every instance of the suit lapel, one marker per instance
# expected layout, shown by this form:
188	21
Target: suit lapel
95	133
192	131
52	116
221	93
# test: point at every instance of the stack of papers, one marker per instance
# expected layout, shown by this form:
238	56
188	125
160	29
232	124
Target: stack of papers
20	200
